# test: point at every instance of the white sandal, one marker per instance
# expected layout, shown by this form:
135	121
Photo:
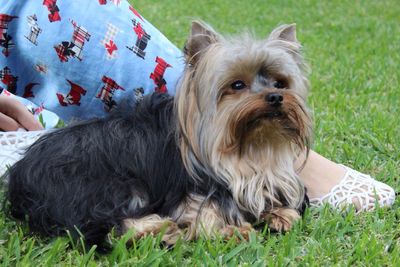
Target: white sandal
357	189
13	145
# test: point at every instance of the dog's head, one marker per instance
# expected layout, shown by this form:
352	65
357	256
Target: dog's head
241	96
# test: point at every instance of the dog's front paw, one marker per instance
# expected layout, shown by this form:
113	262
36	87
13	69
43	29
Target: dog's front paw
153	225
171	234
231	231
281	219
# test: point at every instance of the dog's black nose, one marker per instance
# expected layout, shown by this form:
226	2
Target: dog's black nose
274	99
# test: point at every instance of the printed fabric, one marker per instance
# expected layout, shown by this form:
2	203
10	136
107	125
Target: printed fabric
79	59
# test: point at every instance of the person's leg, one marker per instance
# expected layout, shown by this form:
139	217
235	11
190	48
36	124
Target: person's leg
327	181
80	59
319	174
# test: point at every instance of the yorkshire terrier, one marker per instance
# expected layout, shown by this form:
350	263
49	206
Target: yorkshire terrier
212	160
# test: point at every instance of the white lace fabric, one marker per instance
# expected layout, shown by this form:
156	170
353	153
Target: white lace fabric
13	145
357	189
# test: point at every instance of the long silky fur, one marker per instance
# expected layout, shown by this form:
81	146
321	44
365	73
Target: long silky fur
264	176
95	174
169	157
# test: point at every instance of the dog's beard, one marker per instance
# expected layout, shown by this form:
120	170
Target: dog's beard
257	148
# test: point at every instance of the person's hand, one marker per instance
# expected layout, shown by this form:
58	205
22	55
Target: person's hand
14	115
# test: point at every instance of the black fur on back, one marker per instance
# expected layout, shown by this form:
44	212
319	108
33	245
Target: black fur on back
85	175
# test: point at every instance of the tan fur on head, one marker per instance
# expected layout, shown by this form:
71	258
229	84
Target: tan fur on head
201	37
233	135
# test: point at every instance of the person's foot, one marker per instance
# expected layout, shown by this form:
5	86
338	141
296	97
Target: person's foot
339	186
358	189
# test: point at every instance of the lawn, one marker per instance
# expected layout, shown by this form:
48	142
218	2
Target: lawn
353	48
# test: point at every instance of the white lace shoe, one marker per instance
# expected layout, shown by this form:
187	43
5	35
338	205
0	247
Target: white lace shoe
357	189
13	145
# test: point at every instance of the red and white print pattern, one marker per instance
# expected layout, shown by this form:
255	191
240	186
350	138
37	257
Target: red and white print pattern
109	41
75	47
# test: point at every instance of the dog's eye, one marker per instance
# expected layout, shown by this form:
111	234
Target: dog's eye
238	85
279	84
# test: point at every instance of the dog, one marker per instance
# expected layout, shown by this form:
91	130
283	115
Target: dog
213	160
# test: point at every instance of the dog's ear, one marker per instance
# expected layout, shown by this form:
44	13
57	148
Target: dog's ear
201	36
286	32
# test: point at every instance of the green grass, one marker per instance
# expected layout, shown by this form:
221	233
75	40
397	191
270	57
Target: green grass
353	48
